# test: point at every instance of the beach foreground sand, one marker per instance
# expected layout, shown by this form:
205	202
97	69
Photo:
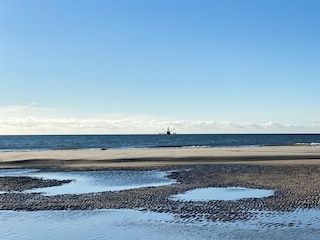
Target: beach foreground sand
128	158
291	172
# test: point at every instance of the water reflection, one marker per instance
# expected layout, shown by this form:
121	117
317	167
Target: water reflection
131	224
94	181
228	193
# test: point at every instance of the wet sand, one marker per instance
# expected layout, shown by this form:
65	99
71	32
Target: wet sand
292	172
149	158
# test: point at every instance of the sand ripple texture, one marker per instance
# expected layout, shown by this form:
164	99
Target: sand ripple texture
296	187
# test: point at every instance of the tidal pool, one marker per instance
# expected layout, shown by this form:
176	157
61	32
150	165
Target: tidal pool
219	193
133	224
94	181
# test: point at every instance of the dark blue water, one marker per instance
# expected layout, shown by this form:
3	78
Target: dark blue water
57	142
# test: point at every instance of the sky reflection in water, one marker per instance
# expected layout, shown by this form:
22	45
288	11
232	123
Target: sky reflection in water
132	224
94	181
219	193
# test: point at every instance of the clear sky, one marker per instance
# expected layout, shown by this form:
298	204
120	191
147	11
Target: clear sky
137	66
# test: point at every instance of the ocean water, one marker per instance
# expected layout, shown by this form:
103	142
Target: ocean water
58	142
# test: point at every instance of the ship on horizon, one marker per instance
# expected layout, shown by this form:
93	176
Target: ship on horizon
168	131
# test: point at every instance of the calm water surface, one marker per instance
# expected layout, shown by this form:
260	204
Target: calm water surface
225	194
132	224
57	142
94	181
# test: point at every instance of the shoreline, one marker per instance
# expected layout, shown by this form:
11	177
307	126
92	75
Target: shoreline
161	157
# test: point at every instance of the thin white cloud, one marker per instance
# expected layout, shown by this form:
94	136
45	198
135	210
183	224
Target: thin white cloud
316	123
35	120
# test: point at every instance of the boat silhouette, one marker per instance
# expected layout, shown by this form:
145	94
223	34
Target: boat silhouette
168	131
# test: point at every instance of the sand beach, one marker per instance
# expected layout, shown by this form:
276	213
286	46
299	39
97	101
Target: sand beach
161	157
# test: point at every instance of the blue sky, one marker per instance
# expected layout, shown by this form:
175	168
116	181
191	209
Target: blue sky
123	66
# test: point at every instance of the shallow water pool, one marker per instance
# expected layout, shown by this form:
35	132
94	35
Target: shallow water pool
219	193
132	224
94	181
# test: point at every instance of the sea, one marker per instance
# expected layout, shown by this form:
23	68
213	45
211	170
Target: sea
80	142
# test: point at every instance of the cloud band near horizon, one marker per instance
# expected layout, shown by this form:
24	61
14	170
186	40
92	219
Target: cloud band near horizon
35	120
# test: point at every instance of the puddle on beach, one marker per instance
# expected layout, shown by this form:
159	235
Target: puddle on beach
133	224
225	194
94	181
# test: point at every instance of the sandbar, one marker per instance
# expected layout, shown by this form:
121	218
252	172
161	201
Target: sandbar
161	157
